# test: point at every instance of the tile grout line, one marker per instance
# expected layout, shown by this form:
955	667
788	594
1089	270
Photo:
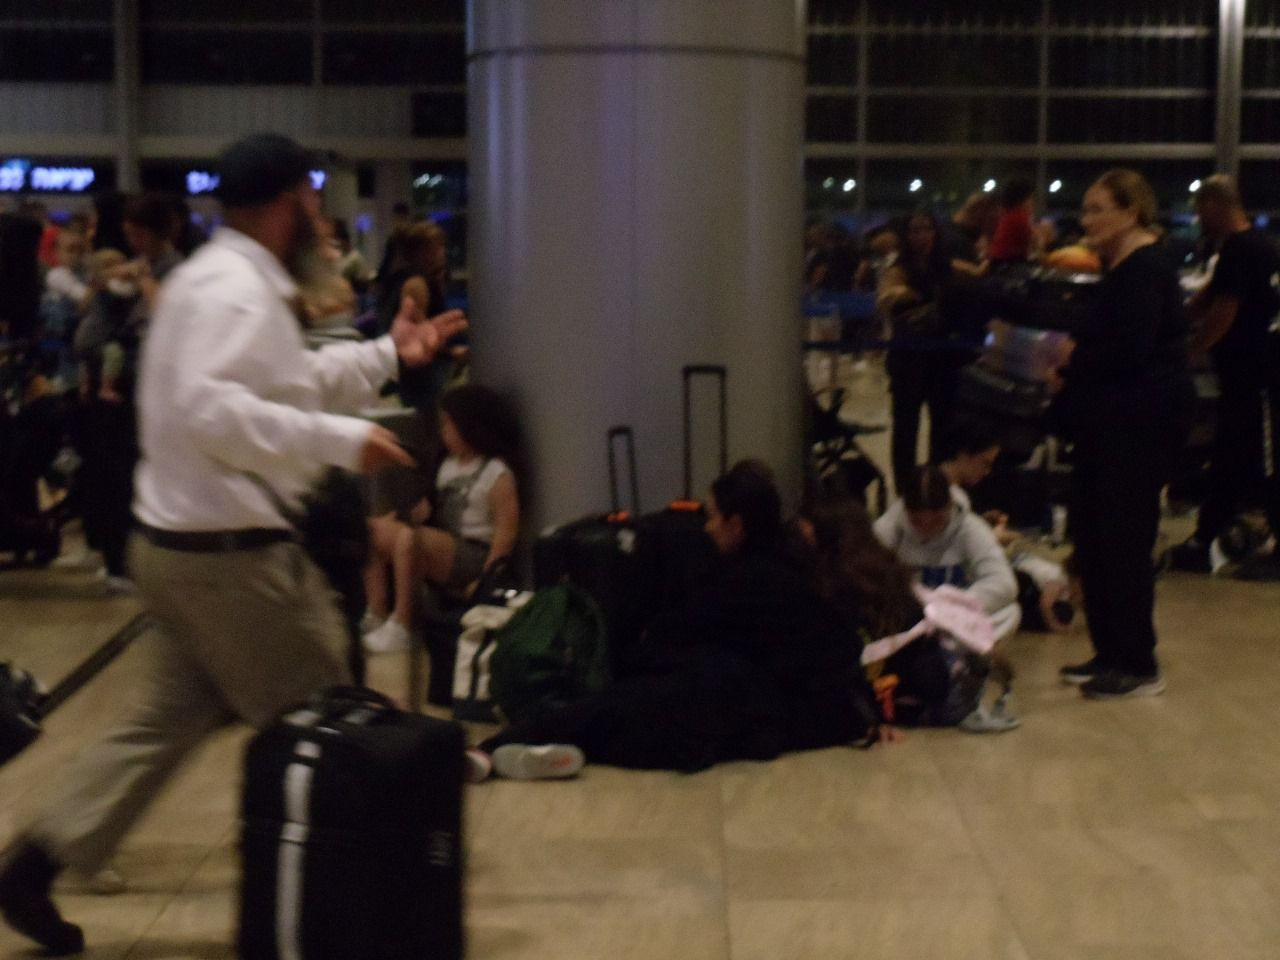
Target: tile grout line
983	857
209	853
724	862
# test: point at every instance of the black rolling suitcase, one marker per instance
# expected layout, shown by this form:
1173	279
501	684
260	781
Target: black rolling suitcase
351	838
599	554
674	547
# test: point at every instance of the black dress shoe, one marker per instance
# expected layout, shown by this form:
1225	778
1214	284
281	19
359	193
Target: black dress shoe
26	879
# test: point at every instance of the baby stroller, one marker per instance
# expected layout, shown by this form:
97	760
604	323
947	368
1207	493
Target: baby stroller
838	465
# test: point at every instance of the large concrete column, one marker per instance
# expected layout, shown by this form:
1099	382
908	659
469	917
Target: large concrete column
127	93
636	205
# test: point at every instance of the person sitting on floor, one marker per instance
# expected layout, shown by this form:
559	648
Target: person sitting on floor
762	663
936	534
473	526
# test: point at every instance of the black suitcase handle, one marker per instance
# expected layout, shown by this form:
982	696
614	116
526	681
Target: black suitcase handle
339	701
721	373
628	435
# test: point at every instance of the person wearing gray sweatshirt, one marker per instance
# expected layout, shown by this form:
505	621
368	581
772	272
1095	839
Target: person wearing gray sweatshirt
934	533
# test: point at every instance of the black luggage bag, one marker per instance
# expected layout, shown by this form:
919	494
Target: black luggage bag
675	550
351	840
599	554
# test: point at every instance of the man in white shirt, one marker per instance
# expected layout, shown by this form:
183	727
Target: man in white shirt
230	402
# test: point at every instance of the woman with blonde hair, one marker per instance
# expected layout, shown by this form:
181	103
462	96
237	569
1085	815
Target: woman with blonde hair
1126	405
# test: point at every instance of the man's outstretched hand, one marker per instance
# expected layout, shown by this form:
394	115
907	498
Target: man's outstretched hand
417	339
382	449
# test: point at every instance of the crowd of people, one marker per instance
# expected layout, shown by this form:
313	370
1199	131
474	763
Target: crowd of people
821	629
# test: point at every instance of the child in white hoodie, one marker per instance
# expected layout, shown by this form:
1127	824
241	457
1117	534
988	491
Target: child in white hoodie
934	533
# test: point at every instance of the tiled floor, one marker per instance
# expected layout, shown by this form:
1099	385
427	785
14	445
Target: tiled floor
1145	830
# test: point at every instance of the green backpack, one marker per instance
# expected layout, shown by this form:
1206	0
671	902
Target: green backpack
552	652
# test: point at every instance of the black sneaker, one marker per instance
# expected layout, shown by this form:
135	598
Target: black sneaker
1081	672
1191	556
1113	684
26	877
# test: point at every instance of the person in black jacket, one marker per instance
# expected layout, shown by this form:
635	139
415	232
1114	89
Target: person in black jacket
1235	312
1126	405
760	664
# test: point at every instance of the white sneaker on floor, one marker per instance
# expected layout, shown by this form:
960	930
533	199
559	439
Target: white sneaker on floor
548	761
81	561
118	586
391	637
479	766
370	622
107	882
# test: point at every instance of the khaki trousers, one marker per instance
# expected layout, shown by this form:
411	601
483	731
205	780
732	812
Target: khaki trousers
243	636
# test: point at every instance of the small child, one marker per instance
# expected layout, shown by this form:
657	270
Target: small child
473	526
100	341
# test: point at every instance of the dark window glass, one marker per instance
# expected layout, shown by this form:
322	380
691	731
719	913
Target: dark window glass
1170	179
394	11
229	11
1260	121
833	11
831	119
952	120
941	61
439	114
225	57
1262	13
56	10
944	184
1200	13
1133	62
57	55
1131	120
395	58
824	184
833	60
1261	63
1260	187
988	12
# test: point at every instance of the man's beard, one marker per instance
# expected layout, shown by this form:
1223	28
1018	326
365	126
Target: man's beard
306	264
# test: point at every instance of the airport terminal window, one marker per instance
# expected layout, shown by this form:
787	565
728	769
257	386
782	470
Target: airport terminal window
57	55
1134	13
903	185
833	60
1131	120
831	119
943	61
830	184
1170	179
831	12
987	12
394	11
226	56
1262	13
227	11
1260	121
394	58
1260	186
66	10
953	120
1133	62
1261	63
439	114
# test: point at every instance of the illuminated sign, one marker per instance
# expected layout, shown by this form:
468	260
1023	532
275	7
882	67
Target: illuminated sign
19	175
202	181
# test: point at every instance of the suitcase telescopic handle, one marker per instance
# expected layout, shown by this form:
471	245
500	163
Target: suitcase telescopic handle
721	374
340	700
627	435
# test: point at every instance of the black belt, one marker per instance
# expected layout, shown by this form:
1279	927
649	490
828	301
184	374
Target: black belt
215	541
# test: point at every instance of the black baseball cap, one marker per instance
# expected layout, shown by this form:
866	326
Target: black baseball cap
260	167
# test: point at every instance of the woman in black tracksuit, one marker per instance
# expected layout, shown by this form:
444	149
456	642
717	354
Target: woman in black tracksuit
759	664
1126	405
